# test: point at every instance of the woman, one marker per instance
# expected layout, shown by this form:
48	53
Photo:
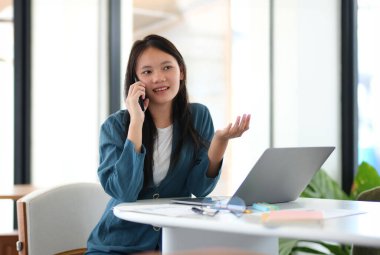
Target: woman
168	150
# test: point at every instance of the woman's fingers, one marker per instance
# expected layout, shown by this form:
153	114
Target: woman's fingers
137	89
240	126
247	121
244	123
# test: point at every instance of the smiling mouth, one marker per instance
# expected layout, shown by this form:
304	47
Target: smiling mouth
160	89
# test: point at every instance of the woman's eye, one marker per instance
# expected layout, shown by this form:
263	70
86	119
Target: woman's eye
146	72
167	67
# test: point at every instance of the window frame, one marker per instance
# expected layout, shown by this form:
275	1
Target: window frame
349	78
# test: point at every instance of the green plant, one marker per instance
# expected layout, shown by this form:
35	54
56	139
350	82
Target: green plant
323	186
366	178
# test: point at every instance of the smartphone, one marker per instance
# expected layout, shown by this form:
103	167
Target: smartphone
141	101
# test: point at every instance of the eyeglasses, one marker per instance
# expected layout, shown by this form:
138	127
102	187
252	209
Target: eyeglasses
209	207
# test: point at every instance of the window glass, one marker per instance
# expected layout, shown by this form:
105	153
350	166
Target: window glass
6	109
226	50
65	91
368	35
249	90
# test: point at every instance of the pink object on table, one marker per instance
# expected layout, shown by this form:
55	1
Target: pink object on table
292	215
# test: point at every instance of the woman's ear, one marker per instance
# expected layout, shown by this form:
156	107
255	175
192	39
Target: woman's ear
181	75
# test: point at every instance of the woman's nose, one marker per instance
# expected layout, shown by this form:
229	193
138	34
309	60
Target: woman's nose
159	77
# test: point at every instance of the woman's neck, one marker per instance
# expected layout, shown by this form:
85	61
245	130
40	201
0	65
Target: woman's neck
162	115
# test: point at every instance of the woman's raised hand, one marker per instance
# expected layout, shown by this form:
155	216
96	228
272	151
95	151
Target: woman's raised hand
236	130
132	101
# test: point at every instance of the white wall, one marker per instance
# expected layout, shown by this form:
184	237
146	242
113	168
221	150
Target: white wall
65	80
307	76
6	116
249	84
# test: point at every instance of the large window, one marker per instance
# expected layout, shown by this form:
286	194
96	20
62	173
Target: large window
260	57
368	34
223	42
66	105
6	107
227	48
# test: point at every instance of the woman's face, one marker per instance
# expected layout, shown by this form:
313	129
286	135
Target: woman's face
161	75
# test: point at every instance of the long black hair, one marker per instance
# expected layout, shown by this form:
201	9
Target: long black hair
180	107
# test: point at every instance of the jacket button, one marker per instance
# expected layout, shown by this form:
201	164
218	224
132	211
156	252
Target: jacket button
156	196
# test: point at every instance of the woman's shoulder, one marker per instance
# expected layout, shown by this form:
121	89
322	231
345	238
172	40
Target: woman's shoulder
197	108
116	119
199	113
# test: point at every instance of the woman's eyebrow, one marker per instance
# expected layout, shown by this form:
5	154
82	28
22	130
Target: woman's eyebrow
145	67
162	63
166	62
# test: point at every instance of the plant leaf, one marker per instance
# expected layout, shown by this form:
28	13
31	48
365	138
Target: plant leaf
309	250
323	186
336	249
366	178
286	246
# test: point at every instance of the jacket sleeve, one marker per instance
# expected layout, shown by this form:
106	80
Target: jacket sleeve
121	167
198	183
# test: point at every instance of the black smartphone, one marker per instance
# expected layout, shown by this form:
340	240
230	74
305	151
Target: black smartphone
141	101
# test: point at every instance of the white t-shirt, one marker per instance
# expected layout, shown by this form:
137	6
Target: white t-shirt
161	153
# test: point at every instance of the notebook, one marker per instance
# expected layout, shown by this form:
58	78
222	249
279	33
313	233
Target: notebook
280	175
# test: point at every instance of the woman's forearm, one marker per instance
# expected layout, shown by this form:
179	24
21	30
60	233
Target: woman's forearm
215	154
135	135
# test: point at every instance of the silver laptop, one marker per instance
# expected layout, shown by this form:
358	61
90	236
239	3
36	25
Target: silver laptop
280	175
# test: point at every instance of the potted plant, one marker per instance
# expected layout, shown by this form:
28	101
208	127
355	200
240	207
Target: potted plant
323	186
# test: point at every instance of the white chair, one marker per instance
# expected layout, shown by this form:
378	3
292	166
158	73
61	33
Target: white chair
59	220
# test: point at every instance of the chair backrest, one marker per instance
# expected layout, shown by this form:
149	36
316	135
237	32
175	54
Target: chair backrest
370	195
59	219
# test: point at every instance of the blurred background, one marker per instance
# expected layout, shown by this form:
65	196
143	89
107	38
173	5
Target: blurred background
278	60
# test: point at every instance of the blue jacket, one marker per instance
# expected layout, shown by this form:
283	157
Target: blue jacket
121	175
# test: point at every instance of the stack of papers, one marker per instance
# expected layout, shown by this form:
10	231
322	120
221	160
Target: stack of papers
276	216
174	210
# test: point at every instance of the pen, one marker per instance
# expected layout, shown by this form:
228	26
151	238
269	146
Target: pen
203	212
197	210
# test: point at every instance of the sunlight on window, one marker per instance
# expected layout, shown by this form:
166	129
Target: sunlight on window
6	111
65	91
226	49
225	46
369	82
